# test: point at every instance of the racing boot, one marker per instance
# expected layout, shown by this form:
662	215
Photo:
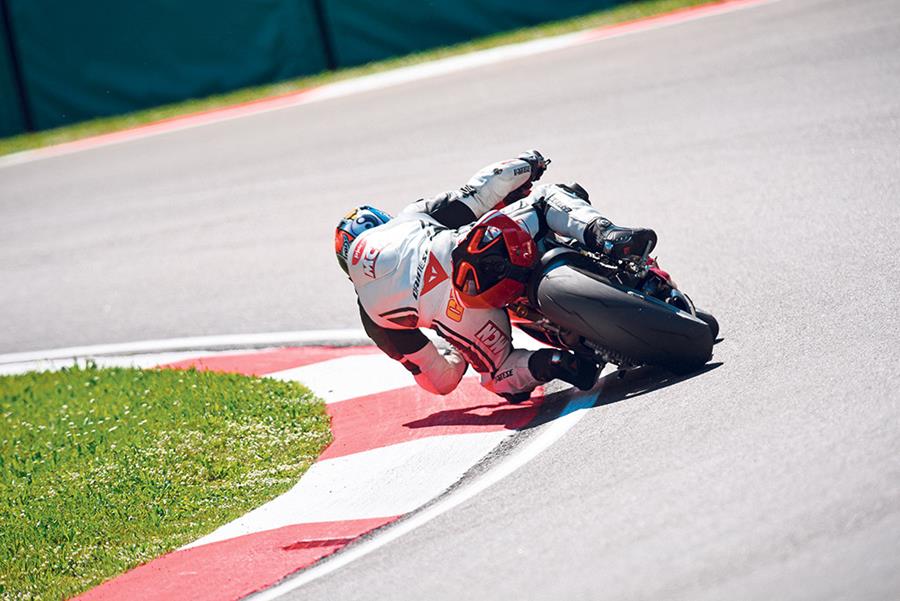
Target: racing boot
618	242
554	364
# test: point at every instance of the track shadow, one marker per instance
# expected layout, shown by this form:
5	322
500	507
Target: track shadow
615	387
543	409
501	413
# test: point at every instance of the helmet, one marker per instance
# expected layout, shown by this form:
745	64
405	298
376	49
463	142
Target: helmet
493	261
352	225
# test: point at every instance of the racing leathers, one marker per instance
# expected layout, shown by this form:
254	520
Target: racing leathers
401	272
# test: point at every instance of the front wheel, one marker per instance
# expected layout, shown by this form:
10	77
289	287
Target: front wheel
711	321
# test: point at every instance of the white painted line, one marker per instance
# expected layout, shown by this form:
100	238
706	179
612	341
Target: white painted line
444	66
386	79
548	434
214	344
350	337
142	361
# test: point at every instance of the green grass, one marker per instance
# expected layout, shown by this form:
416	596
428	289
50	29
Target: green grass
103	125
105	469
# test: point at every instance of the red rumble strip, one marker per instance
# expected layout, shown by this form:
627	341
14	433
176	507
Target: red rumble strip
387	418
260	363
232	568
236	567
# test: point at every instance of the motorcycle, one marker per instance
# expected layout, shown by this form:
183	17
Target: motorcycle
627	312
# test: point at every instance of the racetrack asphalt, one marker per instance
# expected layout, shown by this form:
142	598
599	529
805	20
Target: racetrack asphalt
764	147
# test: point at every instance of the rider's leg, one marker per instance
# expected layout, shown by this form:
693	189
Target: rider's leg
484	337
523	370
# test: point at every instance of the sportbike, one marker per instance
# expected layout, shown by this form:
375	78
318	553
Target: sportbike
627	312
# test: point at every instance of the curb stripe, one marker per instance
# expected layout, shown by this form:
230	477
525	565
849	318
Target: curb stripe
549	434
377	420
679	15
396	416
392	480
233	568
394	451
320	377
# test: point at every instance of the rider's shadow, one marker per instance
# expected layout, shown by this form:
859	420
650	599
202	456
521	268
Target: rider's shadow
490	416
499	414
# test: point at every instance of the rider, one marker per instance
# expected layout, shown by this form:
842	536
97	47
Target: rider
432	267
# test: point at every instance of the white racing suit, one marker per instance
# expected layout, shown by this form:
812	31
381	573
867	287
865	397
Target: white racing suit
402	274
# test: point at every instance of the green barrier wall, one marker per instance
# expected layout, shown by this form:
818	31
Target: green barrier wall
364	30
89	58
11	121
81	59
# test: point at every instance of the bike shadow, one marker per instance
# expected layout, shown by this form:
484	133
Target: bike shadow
616	387
643	380
552	404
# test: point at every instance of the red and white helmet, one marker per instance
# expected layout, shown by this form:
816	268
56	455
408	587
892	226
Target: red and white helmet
492	263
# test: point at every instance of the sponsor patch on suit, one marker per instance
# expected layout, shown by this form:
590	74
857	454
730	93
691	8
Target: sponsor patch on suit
455	309
493	337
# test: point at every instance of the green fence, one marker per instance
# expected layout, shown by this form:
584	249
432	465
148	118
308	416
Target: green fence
367	30
12	114
91	58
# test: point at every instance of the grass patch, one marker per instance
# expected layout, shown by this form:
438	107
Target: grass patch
105	469
627	12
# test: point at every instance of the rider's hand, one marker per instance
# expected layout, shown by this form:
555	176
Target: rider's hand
537	161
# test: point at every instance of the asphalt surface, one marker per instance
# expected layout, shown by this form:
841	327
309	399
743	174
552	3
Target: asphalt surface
762	145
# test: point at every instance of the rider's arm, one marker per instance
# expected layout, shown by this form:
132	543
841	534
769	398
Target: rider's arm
434	371
487	189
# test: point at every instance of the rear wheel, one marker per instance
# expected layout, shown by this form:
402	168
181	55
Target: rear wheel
627	324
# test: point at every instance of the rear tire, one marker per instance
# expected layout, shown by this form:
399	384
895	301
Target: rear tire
640	329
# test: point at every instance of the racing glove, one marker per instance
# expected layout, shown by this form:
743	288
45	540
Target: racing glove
537	162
